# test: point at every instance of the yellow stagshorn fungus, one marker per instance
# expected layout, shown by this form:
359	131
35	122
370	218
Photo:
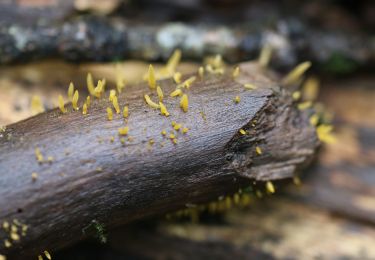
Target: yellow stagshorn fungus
295	75
151	103
201	72
249	86
90	84
237	99
61	104
173	61
120	80
125	112
38	155
84	109
47	254
109	113
123	130
151	78
242	132
177	77
88	101
159	91
258	150
324	133
99	89
75	100
71	91
236	72
310	89
177	92
270	187
36	105
163	109
112	93
184	102
116	105
265	56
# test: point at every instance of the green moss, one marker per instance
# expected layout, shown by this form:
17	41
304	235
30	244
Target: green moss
339	64
97	229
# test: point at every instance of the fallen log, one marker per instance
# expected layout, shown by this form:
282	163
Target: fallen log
92	38
59	172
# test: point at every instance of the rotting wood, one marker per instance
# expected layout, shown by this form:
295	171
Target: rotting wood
93	177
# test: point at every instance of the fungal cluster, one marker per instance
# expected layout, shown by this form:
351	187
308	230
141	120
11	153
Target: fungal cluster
14	230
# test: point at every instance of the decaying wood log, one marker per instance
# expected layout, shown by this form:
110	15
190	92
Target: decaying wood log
94	174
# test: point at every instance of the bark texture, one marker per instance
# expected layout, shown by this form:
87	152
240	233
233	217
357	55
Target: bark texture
93	178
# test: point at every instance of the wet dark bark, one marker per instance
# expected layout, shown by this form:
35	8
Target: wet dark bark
92	178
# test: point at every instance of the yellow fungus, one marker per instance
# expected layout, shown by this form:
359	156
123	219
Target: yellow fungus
112	93
177	92
237	99
314	119
122	140
185	130
109	113
174	141
120	80
99	89
177	127
243	132
201	72
187	83
184	102
172	136
324	133
265	56
236	72
125	112
258	150
88	101
116	105
36	105
297	180
7	243
61	104
295	75
304	105
50	159
151	141
177	77
6	225
71	91
14	236
249	86
173	61
40	257
112	139
296	95
160	93
150	102
34	176
75	100
47	254
163	109
310	89
84	109
163	132
151	77
123	130
2	257
90	84
38	155
173	123
270	188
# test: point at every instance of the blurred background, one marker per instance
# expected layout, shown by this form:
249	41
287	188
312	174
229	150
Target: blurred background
46	44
